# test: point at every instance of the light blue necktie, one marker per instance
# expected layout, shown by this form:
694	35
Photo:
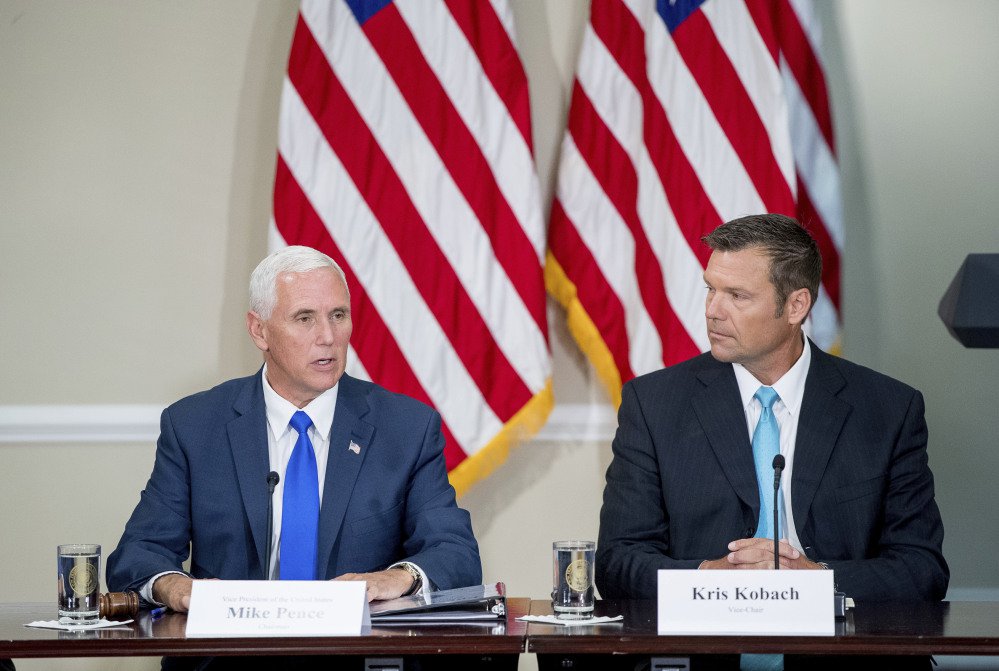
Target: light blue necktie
300	506
766	446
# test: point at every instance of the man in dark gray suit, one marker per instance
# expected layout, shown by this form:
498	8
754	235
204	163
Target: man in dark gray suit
682	490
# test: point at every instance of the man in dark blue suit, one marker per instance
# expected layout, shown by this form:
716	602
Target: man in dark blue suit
682	489
375	505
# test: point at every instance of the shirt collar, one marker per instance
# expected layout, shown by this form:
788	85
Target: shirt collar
280	410
790	387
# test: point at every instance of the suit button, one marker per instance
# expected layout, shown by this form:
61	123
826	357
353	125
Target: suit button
750	531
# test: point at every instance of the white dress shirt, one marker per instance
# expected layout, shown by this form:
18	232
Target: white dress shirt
787	410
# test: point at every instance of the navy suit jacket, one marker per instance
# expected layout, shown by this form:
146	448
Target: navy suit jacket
682	484
208	493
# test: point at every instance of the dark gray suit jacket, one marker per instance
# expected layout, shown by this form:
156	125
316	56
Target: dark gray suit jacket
682	484
389	502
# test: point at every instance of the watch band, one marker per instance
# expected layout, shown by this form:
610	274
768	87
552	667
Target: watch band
417	578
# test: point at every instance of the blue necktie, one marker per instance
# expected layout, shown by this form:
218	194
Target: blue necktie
300	507
766	446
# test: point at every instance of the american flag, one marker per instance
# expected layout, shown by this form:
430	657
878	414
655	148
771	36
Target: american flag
405	153
684	115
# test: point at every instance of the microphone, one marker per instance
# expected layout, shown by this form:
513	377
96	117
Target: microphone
272	479
778	467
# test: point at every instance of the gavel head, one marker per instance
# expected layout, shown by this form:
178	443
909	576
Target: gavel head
119	604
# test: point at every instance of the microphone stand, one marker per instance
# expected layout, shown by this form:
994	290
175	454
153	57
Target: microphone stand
272	479
778	467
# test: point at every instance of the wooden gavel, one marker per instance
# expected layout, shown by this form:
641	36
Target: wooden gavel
119	604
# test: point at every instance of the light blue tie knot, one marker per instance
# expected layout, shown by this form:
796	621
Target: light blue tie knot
300	507
766	446
767	396
301	421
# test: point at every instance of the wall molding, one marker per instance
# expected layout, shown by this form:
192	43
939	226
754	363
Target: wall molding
973	594
140	423
584	422
79	423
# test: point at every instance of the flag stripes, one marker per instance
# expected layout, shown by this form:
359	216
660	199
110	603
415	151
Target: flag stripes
296	219
685	115
404	153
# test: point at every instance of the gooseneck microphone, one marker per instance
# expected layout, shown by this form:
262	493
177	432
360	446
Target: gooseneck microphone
272	480
778	467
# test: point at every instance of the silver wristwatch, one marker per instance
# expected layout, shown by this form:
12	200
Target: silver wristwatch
417	578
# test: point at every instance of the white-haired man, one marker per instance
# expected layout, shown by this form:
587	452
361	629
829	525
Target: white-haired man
363	491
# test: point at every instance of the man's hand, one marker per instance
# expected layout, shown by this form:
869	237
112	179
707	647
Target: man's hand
758	553
174	590
387	584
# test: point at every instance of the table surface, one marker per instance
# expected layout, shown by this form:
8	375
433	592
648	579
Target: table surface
165	636
952	628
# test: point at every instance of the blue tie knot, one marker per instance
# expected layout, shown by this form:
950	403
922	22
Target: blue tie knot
765	395
300	422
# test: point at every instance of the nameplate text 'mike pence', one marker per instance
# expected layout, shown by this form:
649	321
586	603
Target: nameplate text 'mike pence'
249	608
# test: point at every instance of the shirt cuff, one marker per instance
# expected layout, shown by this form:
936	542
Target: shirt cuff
146	591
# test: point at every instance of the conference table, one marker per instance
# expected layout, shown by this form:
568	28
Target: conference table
947	628
909	629
493	645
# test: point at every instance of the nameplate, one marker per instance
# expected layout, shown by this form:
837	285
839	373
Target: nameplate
736	602
250	608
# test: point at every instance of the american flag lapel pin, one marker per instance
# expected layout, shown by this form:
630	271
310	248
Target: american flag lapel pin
354	447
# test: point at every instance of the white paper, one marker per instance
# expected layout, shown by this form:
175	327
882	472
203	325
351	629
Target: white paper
552	619
736	602
250	608
103	623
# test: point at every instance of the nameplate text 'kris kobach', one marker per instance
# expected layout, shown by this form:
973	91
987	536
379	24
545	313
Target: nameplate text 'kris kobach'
736	602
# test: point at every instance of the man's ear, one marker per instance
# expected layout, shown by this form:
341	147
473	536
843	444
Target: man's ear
799	302
256	327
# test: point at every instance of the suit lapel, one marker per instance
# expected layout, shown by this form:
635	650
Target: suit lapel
822	418
248	442
718	407
350	440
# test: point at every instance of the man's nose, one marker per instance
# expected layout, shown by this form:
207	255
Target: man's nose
326	333
712	308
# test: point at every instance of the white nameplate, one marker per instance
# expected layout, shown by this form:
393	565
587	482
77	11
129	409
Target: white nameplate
245	608
737	602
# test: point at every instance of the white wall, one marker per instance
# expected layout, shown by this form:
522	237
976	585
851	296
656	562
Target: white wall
137	145
919	124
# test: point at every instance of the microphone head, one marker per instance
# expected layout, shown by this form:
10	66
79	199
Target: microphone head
779	462
273	478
